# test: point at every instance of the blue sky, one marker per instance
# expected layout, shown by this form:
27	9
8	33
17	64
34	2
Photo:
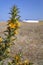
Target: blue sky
29	9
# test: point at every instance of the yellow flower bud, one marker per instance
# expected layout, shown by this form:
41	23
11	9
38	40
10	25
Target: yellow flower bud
8	50
17	64
1	39
20	63
15	32
8	44
18	24
26	61
3	45
10	62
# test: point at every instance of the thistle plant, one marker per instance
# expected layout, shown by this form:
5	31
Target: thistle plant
10	32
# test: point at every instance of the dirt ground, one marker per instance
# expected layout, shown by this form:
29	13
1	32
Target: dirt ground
29	41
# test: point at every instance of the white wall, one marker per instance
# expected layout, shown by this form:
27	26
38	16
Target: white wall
31	21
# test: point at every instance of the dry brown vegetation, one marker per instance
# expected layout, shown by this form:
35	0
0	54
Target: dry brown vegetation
29	41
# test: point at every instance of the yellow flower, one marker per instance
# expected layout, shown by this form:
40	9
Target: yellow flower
15	32
16	57
1	39
26	61
12	25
